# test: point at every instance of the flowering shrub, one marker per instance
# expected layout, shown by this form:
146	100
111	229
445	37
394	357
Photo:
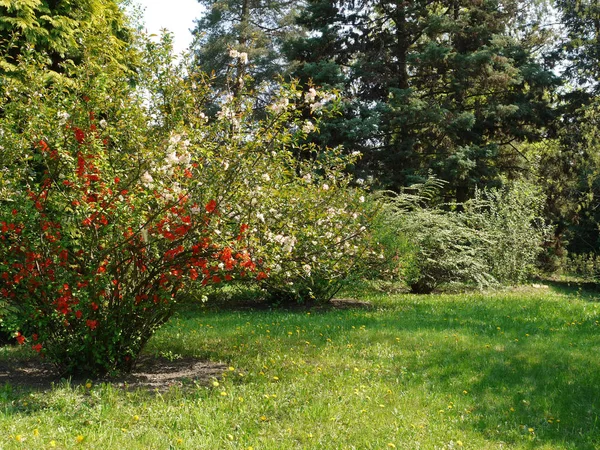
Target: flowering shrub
115	217
306	221
114	200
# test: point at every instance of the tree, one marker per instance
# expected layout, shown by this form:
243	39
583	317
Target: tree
57	28
444	85
254	28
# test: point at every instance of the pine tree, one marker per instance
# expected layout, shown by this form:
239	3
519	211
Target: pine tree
444	85
257	28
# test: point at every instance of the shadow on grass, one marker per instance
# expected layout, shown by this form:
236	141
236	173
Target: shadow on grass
525	364
531	370
583	289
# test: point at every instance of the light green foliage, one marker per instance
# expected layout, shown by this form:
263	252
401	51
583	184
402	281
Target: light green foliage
495	237
57	31
511	221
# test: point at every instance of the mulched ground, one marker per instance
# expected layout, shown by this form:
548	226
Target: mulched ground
151	373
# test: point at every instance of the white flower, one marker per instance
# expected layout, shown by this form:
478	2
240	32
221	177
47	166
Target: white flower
360	181
308	127
266	177
280	106
260	217
311	95
172	159
226	113
175	138
147	179
234	53
102	123
307	269
63	116
361	199
185	158
326	187
225	165
307	178
202	116
243	57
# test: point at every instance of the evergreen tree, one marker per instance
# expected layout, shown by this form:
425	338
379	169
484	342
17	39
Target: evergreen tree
445	85
256	28
56	30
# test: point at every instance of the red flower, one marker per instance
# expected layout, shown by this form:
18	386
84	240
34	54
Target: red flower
20	338
261	276
78	314
37	347
79	135
92	324
211	206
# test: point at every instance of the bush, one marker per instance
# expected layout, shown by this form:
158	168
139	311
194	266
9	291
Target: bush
512	220
119	195
495	237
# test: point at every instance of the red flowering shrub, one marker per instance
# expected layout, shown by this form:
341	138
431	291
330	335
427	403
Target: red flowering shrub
116	198
106	216
95	251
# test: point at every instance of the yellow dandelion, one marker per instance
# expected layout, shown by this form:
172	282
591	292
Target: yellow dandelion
52	443
36	432
231	369
531	430
136	418
79	438
179	440
19	438
459	443
88	385
215	383
223	393
465	392
276	378
391	445
263	418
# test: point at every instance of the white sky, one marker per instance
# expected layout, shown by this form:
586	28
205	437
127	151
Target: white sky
175	15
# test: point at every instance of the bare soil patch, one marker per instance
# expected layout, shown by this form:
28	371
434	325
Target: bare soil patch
151	373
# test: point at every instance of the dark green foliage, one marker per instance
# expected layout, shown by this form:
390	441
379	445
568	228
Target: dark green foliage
444	86
255	27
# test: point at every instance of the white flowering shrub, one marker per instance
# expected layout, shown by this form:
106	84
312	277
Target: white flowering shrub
306	223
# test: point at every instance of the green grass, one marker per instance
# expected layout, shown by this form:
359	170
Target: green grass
516	369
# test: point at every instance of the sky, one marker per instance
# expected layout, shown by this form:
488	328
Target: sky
175	15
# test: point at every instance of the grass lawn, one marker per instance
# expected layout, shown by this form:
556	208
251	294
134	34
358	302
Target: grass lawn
517	369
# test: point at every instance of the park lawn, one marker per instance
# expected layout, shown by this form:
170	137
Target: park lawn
517	369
